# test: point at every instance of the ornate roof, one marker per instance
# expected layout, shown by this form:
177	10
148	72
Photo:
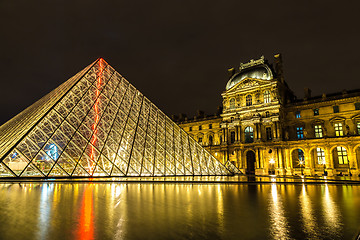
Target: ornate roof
257	69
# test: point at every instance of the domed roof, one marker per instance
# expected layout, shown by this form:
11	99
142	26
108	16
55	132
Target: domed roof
259	72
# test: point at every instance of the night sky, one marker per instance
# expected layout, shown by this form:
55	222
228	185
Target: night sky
175	52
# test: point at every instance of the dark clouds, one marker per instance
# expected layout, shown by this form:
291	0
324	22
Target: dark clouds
175	52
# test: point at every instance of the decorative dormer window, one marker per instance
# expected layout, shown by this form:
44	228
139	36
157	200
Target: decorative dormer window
267	98
248	100
232	103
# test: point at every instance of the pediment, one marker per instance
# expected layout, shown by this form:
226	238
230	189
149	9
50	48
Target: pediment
337	119
248	83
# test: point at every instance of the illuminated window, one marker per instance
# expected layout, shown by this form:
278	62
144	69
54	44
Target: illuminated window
336	109
200	140
249	135
210	140
210	126
338	129
357	106
358	127
232	137
300	132
268	133
248	100
200	127
320	155
232	103
297	114
316	111
190	129
267	96
318	131
342	155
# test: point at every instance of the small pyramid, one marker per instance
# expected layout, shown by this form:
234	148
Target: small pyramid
98	124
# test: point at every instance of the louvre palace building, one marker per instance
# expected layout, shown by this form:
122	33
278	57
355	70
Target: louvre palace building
264	128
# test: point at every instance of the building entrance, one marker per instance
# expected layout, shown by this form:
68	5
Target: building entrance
250	161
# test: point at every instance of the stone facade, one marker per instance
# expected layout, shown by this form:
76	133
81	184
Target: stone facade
264	128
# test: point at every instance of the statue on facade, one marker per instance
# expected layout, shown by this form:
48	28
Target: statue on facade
305	133
347	130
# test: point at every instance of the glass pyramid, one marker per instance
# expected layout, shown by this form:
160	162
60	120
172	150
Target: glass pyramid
98	124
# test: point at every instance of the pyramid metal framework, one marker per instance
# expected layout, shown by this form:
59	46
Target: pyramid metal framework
98	124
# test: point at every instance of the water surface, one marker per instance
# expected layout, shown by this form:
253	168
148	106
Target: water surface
178	211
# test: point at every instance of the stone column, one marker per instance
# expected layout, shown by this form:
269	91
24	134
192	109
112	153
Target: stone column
288	159
329	162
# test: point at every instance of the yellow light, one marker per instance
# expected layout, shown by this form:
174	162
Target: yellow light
271	161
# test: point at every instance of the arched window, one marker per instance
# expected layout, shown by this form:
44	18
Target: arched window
232	103
248	100
249	135
267	96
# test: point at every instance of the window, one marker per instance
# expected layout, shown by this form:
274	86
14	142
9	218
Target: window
338	129
357	106
318	131
297	114
320	155
336	109
267	114
210	140
200	128
248	100
268	133
232	137
210	126
190	129
300	132
267	96
358	127
316	112
342	155
200	140
232	103
249	135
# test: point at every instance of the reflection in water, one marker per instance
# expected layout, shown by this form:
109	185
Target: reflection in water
177	211
86	223
279	228
331	213
119	206
45	210
308	218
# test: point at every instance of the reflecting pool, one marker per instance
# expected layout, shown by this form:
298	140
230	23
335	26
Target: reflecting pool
178	211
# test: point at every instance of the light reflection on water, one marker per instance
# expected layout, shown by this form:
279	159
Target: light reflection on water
178	211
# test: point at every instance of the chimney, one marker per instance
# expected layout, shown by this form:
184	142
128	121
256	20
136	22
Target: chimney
279	67
231	72
200	114
219	110
307	93
183	117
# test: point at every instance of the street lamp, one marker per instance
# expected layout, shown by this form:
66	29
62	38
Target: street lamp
301	162
324	164
272	162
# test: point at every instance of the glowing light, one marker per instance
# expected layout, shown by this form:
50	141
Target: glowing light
271	161
52	152
91	165
86	229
